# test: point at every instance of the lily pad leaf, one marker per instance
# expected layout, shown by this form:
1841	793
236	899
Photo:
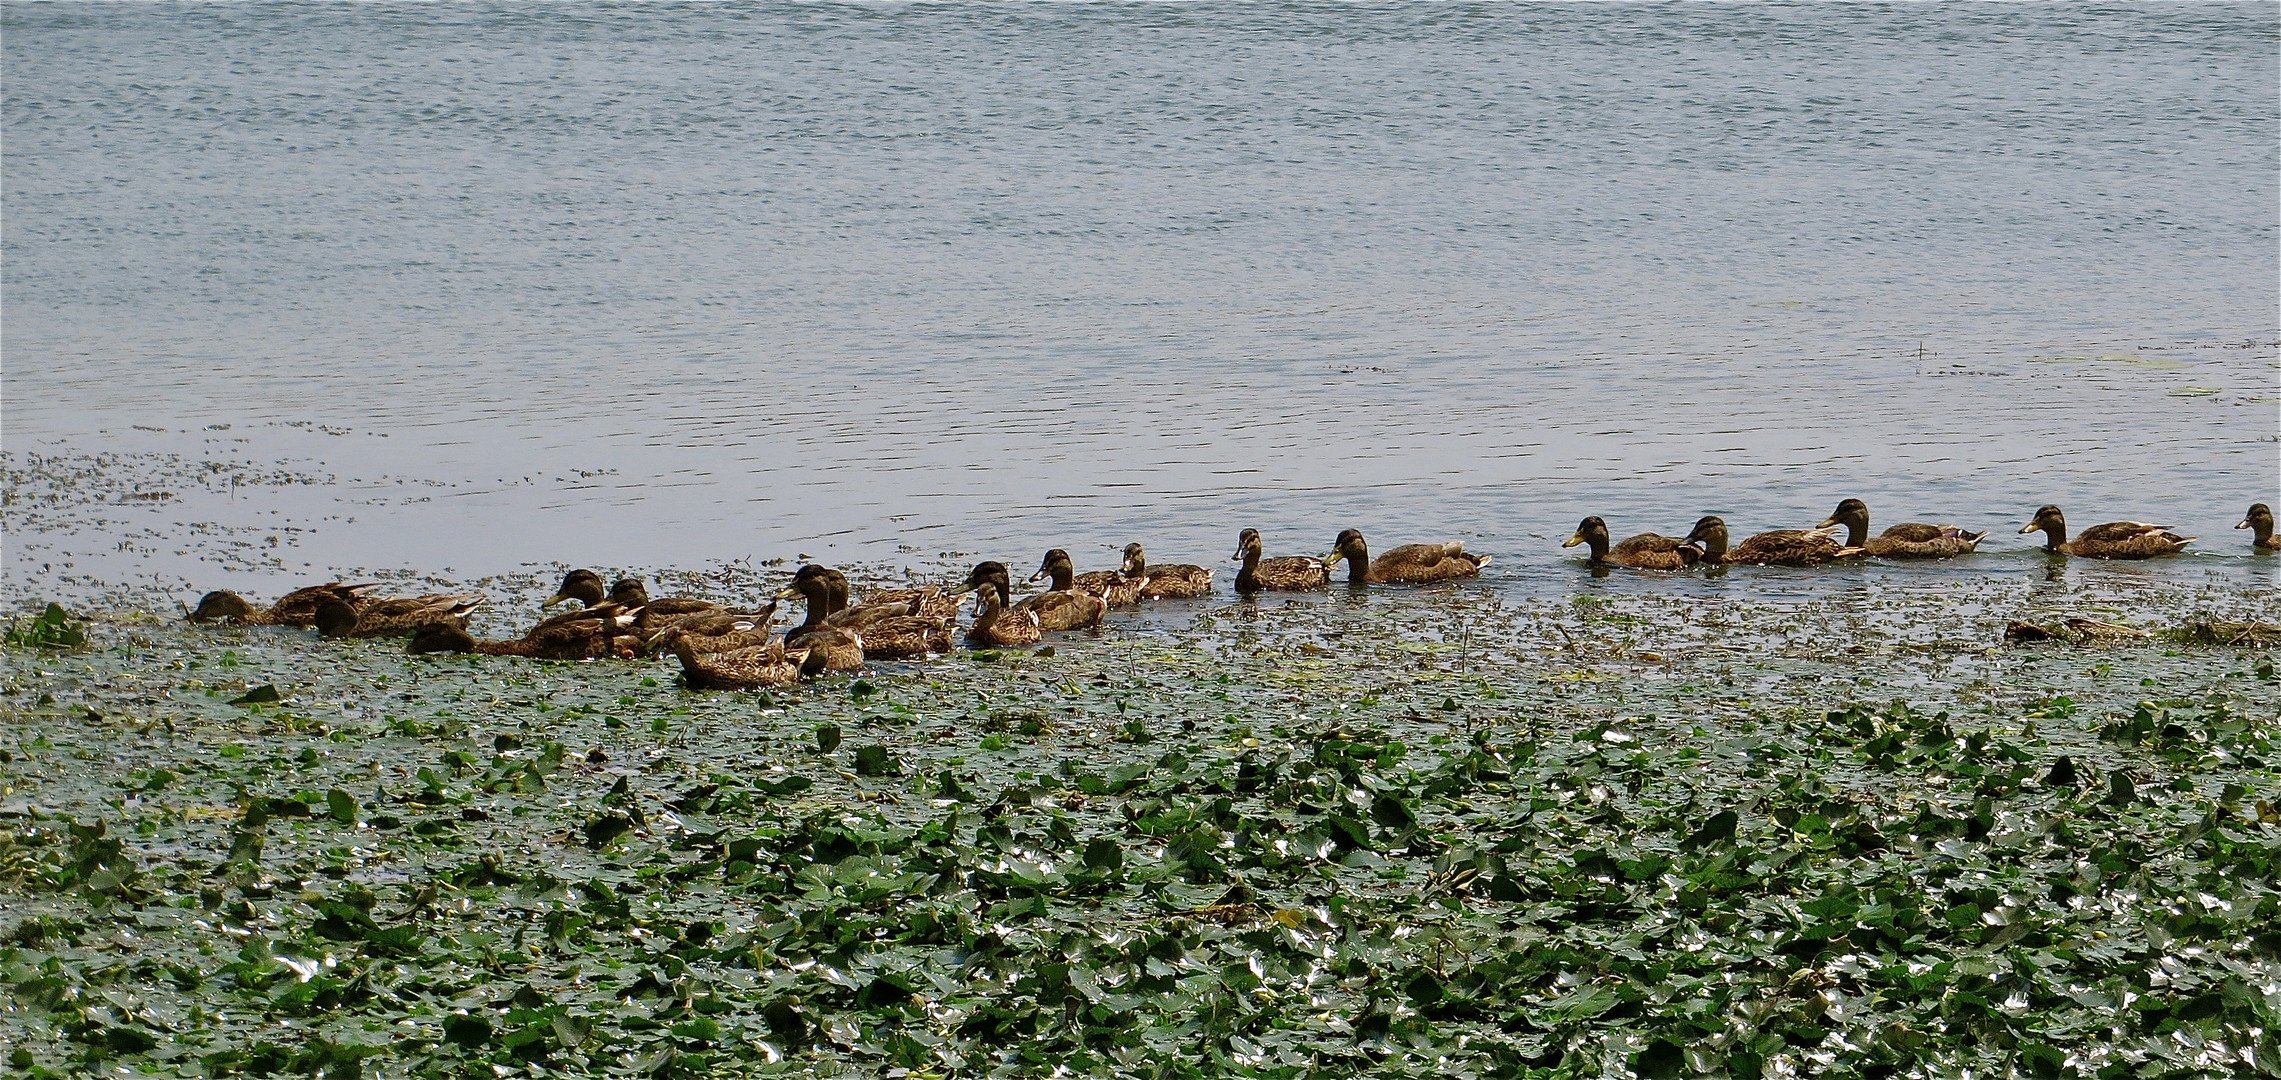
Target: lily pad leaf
265	694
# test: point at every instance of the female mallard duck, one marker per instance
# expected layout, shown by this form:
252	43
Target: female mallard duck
1178	581
1059	609
1409	564
1782	547
607	634
395	615
1647	551
1284	573
2114	540
995	625
840	648
1911	540
2260	518
887	635
630	592
932	601
1112	586
714	631
751	668
296	608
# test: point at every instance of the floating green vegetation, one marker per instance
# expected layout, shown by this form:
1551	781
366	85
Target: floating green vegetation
1416	836
2194	391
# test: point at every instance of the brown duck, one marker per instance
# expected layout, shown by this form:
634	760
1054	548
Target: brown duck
751	668
2260	518
584	586
605	634
1112	586
1647	551
1910	540
995	625
394	616
887	635
1782	547
1177	581
1284	573
2114	540
1409	564
296	608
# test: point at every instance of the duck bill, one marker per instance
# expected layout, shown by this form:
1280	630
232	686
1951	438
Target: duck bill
2244	524
787	593
2028	528
552	601
1574	540
1826	523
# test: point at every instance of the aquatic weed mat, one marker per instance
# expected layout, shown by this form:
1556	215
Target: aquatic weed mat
1407	834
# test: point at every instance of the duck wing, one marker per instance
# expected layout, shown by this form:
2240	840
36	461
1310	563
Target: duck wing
1426	562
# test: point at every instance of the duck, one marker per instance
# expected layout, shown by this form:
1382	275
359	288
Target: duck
887	631
1409	564
752	668
715	631
1059	609
1911	540
1782	547
932	601
887	635
1284	573
607	634
395	615
2260	518
296	608
995	625
630	592
1647	551
1112	586
1178	581
2114	540
840	647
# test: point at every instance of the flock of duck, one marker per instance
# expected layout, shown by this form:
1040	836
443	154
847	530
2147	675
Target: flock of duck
722	647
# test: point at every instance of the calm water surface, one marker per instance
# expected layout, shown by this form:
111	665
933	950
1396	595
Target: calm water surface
299	288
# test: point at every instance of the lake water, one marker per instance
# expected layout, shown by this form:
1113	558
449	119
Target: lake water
464	289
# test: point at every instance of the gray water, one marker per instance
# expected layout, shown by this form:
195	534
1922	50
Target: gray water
294	289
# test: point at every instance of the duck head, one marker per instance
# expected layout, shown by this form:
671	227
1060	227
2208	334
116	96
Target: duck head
584	586
991	579
1591	531
1136	562
2053	524
2260	518
1058	567
1854	515
1711	532
1248	546
1350	546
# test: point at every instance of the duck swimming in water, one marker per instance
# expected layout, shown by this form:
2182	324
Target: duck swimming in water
1284	573
296	608
2114	540
1409	564
1910	540
1647	551
2260	518
1178	581
995	625
1782	547
1112	586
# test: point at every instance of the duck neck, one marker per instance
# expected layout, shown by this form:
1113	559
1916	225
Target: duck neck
1714	546
1597	543
1138	568
817	604
2261	532
1856	531
2054	537
1358	565
1249	574
1064	577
